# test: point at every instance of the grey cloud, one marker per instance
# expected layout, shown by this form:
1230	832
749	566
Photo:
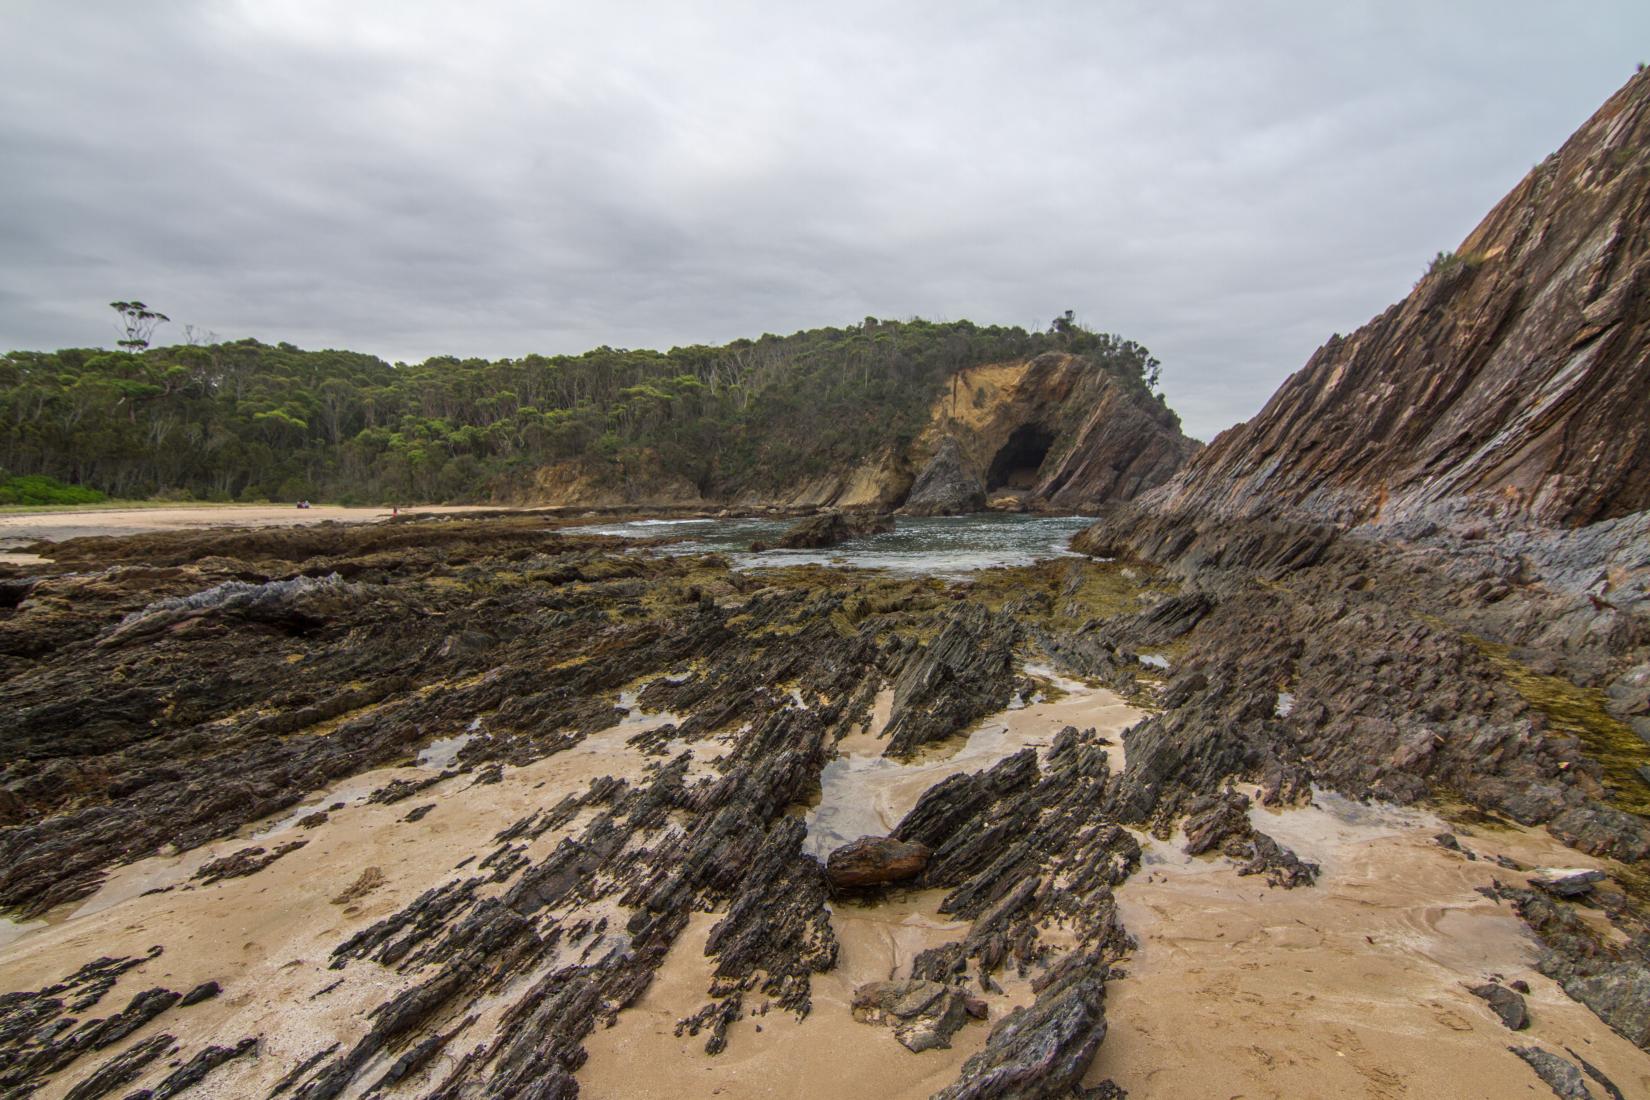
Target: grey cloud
1225	183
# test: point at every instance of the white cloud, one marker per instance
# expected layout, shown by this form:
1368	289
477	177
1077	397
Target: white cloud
1227	184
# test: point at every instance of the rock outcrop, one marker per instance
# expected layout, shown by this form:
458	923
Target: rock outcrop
946	486
965	673
923	1014
1513	383
1507	1004
1424	568
829	529
1055	431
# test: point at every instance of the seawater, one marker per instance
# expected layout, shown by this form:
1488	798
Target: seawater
943	546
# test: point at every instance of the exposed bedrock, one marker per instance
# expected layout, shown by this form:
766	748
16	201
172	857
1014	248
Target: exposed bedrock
1513	384
1061	431
1055	431
946	486
1220	822
963	674
1385	697
831	528
923	1014
1020	849
1320	656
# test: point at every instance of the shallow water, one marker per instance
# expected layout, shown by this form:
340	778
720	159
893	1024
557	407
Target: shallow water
863	793
442	753
13	930
942	546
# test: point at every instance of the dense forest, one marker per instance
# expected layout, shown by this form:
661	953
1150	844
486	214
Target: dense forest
250	421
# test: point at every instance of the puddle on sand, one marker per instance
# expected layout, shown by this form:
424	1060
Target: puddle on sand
863	793
1325	831
12	930
636	720
442	753
776	1056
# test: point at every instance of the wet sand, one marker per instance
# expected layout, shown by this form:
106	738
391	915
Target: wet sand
21	527
1355	987
267	938
864	793
829	1054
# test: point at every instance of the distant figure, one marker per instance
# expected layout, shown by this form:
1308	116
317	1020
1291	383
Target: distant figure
303	504
395	510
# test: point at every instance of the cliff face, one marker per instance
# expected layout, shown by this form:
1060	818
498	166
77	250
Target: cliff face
1053	431
1513	382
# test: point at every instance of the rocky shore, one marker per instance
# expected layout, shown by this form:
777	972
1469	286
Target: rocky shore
431	806
1322	768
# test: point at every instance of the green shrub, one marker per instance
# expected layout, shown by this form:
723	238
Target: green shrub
1446	262
39	489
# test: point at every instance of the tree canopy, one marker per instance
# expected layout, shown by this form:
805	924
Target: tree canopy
245	420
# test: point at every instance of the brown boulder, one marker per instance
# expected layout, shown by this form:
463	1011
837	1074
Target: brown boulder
876	860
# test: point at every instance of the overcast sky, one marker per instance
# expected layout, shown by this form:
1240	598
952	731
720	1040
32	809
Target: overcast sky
1227	183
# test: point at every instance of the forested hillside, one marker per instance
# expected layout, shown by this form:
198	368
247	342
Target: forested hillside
246	421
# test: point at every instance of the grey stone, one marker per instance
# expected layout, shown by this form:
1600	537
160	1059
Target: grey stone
946	486
1568	883
923	1014
1561	1075
1504	1003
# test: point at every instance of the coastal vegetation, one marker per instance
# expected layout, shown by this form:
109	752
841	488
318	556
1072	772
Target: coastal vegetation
37	489
245	420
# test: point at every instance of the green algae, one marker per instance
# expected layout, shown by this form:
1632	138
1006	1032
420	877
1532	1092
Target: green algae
1068	593
1581	712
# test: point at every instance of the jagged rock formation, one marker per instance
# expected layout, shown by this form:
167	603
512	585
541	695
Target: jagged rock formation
923	1014
491	968
1054	431
1513	382
176	689
965	673
271	665
946	486
829	529
1422	569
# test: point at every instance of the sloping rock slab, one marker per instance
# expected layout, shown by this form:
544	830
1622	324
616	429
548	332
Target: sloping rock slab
946	486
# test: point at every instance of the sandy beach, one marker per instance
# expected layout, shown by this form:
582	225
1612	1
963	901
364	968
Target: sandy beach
1355	987
20	527
266	938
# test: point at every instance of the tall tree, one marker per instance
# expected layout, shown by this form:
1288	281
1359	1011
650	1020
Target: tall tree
138	322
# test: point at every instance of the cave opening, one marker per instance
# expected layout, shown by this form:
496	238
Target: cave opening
1019	459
